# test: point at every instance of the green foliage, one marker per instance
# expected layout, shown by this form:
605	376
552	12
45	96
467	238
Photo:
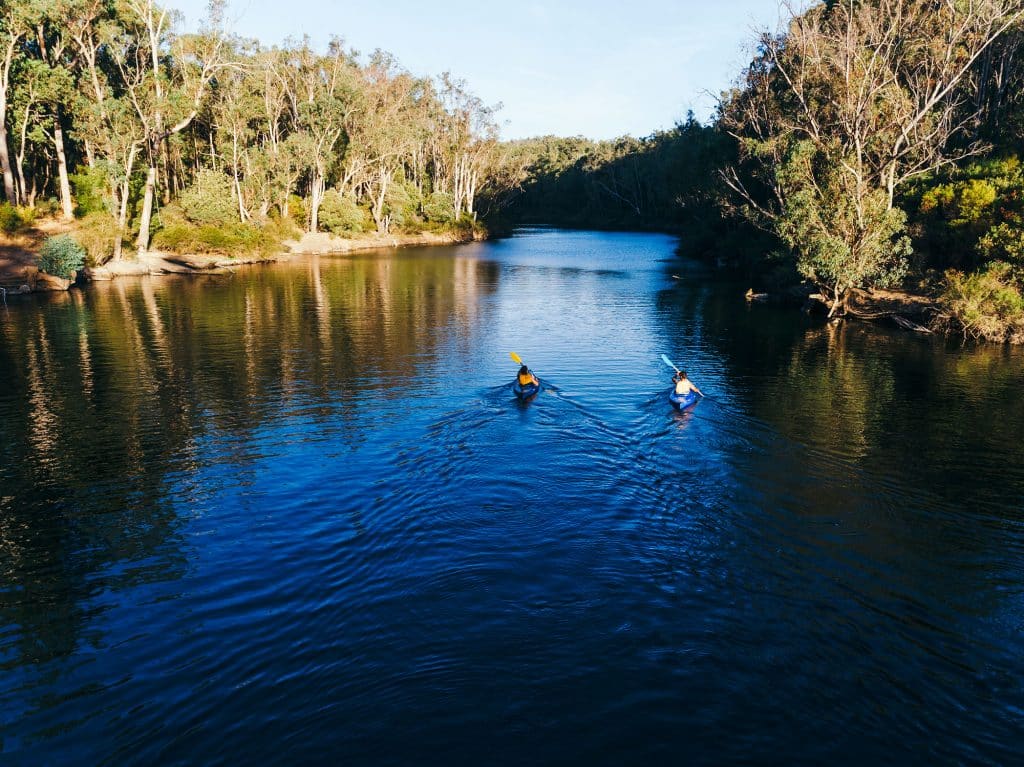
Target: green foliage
1003	242
97	233
91	190
970	215
988	304
843	237
962	203
439	208
467	226
11	219
47	208
61	256
180	235
401	205
667	180
209	200
339	214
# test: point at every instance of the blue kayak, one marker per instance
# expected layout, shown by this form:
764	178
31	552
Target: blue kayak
681	403
525	392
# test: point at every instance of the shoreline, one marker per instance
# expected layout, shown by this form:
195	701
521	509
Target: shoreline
914	312
20	276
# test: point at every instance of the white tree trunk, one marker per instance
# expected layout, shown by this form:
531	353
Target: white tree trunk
147	210
67	207
316	196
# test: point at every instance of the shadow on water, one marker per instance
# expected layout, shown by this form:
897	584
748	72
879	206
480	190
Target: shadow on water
879	474
300	505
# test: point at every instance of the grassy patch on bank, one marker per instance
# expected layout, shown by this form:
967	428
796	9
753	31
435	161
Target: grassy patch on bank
233	239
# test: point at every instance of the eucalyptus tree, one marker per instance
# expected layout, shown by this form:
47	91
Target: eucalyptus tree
234	114
32	92
384	132
852	101
166	78
275	161
324	91
106	121
57	50
471	136
17	21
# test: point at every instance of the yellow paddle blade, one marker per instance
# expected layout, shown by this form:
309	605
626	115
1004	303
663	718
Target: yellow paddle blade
515	358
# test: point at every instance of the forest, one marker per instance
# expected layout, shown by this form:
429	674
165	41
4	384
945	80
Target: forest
146	136
868	145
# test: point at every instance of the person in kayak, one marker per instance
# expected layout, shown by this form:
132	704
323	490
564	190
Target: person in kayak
526	378
684	385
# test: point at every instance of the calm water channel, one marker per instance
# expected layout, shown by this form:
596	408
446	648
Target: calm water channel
294	515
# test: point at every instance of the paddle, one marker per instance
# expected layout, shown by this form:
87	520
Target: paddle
519	361
671	364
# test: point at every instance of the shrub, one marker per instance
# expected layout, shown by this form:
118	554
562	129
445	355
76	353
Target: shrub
339	213
209	200
988	304
402	203
180	235
962	203
96	233
1003	242
92	190
48	208
10	219
439	208
61	255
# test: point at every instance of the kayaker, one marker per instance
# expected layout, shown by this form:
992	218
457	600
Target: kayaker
684	385
526	377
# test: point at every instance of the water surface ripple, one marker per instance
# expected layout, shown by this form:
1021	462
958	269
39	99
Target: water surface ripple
295	515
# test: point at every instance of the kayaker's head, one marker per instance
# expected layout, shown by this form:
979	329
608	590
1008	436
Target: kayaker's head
682	375
524	371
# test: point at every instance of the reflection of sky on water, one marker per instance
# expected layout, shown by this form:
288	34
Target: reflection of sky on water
301	499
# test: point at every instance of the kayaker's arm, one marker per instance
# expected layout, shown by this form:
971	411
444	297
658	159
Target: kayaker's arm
696	389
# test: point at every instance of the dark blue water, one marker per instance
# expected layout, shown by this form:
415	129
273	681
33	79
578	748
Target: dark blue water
294	515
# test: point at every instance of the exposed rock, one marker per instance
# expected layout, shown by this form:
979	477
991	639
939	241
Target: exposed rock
45	282
194	262
121	268
96	274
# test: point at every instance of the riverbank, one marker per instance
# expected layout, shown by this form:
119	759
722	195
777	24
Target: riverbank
19	272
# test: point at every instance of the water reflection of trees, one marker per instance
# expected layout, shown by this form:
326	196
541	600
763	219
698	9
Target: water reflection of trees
908	445
107	395
854	389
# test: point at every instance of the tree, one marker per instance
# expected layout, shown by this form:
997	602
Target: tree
170	77
874	90
17	19
324	89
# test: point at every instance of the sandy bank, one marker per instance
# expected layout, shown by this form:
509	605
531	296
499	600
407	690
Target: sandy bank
323	243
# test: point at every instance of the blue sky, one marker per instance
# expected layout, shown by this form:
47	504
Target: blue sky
599	69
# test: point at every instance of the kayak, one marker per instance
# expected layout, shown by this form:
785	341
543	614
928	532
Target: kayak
525	392
683	402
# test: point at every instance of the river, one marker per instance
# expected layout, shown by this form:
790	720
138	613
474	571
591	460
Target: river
294	515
